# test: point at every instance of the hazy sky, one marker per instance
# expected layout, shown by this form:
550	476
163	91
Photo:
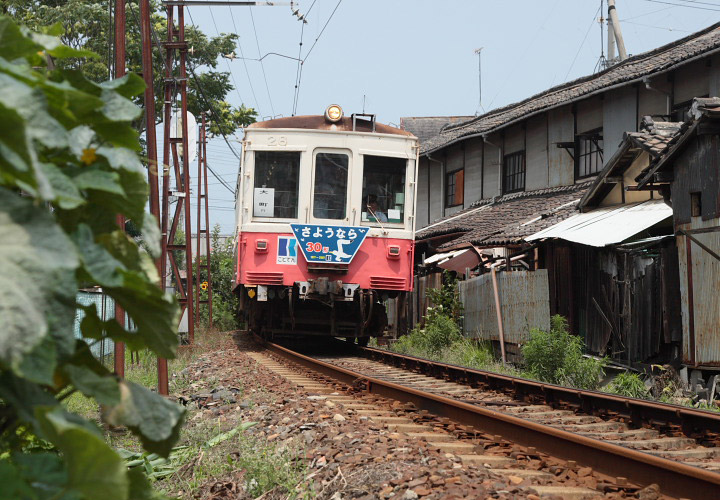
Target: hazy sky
417	57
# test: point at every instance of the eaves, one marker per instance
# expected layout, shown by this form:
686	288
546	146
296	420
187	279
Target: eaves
569	101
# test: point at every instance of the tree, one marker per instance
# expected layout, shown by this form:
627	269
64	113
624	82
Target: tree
68	166
222	269
87	25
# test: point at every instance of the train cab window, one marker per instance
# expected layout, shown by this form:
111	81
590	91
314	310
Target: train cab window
277	177
330	189
383	189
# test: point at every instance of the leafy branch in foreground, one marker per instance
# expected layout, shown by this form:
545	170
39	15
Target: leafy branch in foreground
69	165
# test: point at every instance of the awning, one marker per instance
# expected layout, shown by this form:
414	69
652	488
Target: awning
441	257
462	260
609	225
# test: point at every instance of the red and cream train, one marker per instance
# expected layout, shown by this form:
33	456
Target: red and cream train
325	215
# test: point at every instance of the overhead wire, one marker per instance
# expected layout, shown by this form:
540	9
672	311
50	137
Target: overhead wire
582	44
262	65
689	6
242	55
237	87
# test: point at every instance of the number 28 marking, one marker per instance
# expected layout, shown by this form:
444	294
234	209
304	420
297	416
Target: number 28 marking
277	141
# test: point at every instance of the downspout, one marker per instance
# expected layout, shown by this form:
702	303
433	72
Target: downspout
668	95
442	187
500	160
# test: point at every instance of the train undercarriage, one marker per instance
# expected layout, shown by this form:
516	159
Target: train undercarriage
349	312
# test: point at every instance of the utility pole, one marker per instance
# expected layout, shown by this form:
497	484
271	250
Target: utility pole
119	347
615	34
146	40
479	54
181	165
202	198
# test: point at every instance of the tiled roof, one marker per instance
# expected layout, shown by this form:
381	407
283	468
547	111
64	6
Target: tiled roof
507	219
654	137
425	127
631	69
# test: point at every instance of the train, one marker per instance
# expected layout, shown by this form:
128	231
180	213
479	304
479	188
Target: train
325	224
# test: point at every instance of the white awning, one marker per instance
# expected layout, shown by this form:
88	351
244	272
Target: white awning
442	257
609	225
462	260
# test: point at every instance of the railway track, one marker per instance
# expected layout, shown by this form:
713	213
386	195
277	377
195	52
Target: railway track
624	444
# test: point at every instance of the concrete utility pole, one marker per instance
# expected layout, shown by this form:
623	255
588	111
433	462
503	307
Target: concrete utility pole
615	33
479	54
119	347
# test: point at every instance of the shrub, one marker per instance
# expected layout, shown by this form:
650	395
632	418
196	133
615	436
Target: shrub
629	385
470	353
556	357
446	299
440	331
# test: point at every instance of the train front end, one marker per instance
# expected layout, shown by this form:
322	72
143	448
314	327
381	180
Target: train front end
325	224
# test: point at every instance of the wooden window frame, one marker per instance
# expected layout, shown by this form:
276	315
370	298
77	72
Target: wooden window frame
514	172
455	190
584	157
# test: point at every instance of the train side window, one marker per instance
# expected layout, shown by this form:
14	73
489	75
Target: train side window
277	177
383	189
331	180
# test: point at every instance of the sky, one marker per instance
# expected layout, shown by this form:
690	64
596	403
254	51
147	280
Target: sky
399	58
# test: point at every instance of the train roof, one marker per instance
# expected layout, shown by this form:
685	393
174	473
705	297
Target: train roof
318	122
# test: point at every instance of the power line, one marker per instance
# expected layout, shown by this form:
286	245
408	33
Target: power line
688	6
322	30
237	87
262	65
247	73
582	43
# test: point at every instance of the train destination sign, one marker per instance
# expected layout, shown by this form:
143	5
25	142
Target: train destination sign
337	244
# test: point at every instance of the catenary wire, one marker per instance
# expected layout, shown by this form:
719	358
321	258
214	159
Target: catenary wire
242	55
262	65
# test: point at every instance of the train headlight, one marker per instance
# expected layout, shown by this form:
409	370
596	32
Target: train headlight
333	113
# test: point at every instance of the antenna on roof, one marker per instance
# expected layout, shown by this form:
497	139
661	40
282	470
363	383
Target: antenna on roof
480	106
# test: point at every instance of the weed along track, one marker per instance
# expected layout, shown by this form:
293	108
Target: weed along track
552	440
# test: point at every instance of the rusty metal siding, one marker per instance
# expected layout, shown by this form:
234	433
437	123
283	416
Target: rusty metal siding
524	303
699	286
697	171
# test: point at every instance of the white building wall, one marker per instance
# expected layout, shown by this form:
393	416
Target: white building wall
619	115
536	153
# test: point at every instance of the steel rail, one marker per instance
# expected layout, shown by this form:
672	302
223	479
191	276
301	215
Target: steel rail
673	478
639	411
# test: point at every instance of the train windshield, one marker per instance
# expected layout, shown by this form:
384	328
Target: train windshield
331	180
383	189
276	184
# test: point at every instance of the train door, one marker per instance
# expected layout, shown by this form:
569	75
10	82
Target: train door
330	187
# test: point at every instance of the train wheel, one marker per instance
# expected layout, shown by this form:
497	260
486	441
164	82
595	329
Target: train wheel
363	341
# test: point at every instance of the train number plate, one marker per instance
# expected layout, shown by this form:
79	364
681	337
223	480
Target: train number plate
337	244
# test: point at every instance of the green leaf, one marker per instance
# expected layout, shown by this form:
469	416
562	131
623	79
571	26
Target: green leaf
12	483
118	134
118	108
151	235
103	388
45	471
140	488
122	159
23	397
99	180
94	469
154	418
128	86
37	281
155	314
13	43
66	194
227	435
100	264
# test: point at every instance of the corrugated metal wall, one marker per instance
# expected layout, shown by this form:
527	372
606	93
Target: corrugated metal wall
105	307
524	303
701	338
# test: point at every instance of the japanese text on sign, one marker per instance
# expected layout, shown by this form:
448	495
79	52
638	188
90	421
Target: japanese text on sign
337	244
